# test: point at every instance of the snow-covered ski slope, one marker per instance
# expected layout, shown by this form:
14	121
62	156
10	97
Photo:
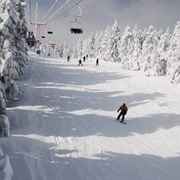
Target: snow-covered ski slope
64	127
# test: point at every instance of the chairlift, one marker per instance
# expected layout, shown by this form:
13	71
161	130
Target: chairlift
76	27
30	39
50	31
76	30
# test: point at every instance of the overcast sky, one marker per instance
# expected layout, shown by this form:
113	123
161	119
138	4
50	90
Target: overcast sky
97	14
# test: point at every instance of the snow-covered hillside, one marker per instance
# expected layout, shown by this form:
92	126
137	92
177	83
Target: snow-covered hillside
64	125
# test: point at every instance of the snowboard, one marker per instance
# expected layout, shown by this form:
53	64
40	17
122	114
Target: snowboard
121	122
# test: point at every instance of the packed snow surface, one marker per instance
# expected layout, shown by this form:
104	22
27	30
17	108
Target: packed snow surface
64	126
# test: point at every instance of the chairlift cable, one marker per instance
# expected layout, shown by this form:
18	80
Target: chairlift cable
65	11
50	9
58	9
30	10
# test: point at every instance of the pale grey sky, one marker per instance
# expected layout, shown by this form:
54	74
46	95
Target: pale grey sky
97	14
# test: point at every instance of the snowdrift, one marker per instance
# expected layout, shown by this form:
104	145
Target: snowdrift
6	171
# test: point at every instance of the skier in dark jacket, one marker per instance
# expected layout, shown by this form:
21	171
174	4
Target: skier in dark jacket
68	58
97	62
84	58
80	63
123	112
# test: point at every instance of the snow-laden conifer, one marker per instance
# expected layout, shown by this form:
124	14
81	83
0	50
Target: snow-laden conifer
74	52
125	47
163	46
85	48
80	48
13	29
13	53
65	50
137	46
60	51
90	46
115	38
98	44
173	56
106	44
109	50
149	57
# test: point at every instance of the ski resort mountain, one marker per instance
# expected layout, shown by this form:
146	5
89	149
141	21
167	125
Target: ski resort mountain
58	104
64	126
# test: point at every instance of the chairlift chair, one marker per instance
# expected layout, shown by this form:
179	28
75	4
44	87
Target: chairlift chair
76	28
50	31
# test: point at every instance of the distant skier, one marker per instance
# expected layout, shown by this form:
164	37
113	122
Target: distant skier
123	112
84	58
97	62
68	58
80	63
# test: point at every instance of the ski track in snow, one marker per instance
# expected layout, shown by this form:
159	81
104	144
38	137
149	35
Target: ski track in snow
64	127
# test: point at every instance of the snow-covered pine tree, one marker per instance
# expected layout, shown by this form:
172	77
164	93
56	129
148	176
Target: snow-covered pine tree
74	53
13	53
163	46
136	53
60	51
125	47
56	51
173	56
4	121
20	51
90	46
13	29
66	50
106	44
97	44
80	48
69	51
115	37
85	47
150	58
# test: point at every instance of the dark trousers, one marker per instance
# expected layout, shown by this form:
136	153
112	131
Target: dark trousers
121	114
